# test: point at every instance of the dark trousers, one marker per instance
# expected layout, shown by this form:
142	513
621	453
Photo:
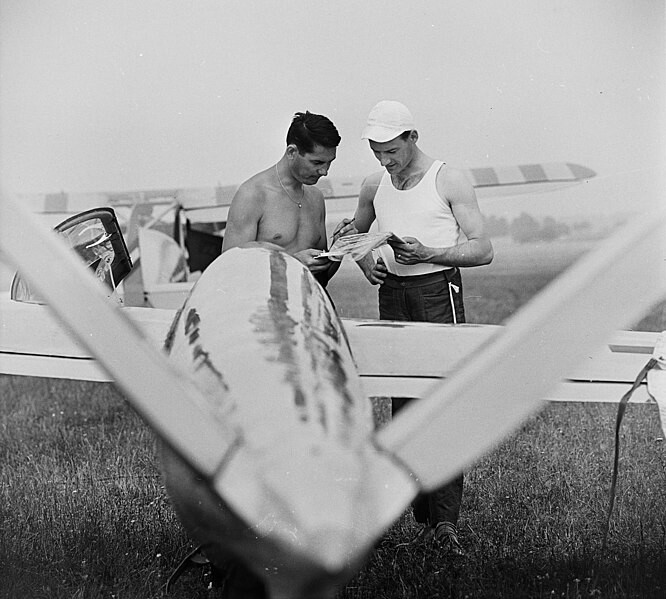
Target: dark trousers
436	297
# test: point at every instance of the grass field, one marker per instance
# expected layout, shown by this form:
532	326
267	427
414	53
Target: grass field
83	512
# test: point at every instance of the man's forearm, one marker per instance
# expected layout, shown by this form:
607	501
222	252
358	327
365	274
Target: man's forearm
324	276
366	263
468	253
333	268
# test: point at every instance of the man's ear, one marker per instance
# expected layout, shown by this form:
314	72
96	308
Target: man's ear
291	151
414	135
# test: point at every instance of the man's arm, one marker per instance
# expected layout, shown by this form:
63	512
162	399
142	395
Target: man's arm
375	272
328	268
455	189
243	218
365	209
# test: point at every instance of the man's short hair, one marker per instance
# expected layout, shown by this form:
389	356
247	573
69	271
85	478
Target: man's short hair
307	130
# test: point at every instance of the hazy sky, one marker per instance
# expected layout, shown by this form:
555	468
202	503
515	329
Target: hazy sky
138	94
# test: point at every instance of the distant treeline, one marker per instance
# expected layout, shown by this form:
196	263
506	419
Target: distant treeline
525	228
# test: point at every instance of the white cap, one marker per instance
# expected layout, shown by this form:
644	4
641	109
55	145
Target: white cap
387	120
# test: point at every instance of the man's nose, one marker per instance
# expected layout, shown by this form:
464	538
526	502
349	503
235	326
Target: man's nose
323	171
384	160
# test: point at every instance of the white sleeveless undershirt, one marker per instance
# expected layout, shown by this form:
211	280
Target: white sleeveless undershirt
416	212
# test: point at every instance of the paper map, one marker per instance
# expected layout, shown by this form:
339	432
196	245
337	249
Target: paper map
357	245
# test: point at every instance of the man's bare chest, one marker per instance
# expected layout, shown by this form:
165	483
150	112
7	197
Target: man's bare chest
293	229
408	182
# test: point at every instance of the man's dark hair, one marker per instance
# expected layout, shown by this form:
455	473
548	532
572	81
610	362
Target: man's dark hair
307	130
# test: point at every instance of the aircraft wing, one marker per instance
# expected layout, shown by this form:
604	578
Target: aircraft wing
393	361
527	178
389	355
492	181
34	343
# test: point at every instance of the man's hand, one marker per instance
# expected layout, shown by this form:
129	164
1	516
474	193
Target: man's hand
344	227
410	252
311	259
375	272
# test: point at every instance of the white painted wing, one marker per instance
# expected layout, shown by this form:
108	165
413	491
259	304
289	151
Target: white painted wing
405	359
389	355
488	397
34	343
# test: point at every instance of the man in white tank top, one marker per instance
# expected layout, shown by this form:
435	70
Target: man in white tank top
433	208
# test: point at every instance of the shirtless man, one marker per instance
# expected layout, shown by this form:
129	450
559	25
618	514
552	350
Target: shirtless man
280	206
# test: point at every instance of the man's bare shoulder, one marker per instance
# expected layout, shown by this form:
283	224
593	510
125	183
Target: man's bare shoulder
315	193
370	185
453	175
256	185
373	180
251	195
453	182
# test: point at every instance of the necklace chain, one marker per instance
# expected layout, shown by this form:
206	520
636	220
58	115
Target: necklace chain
299	204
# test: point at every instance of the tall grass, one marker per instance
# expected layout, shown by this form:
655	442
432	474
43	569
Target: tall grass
83	512
81	502
533	518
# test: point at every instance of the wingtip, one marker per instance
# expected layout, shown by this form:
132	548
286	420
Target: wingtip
581	172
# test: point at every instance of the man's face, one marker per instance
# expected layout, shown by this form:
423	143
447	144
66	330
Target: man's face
394	155
308	168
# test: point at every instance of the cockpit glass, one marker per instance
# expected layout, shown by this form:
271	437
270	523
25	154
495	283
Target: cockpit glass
91	241
96	238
